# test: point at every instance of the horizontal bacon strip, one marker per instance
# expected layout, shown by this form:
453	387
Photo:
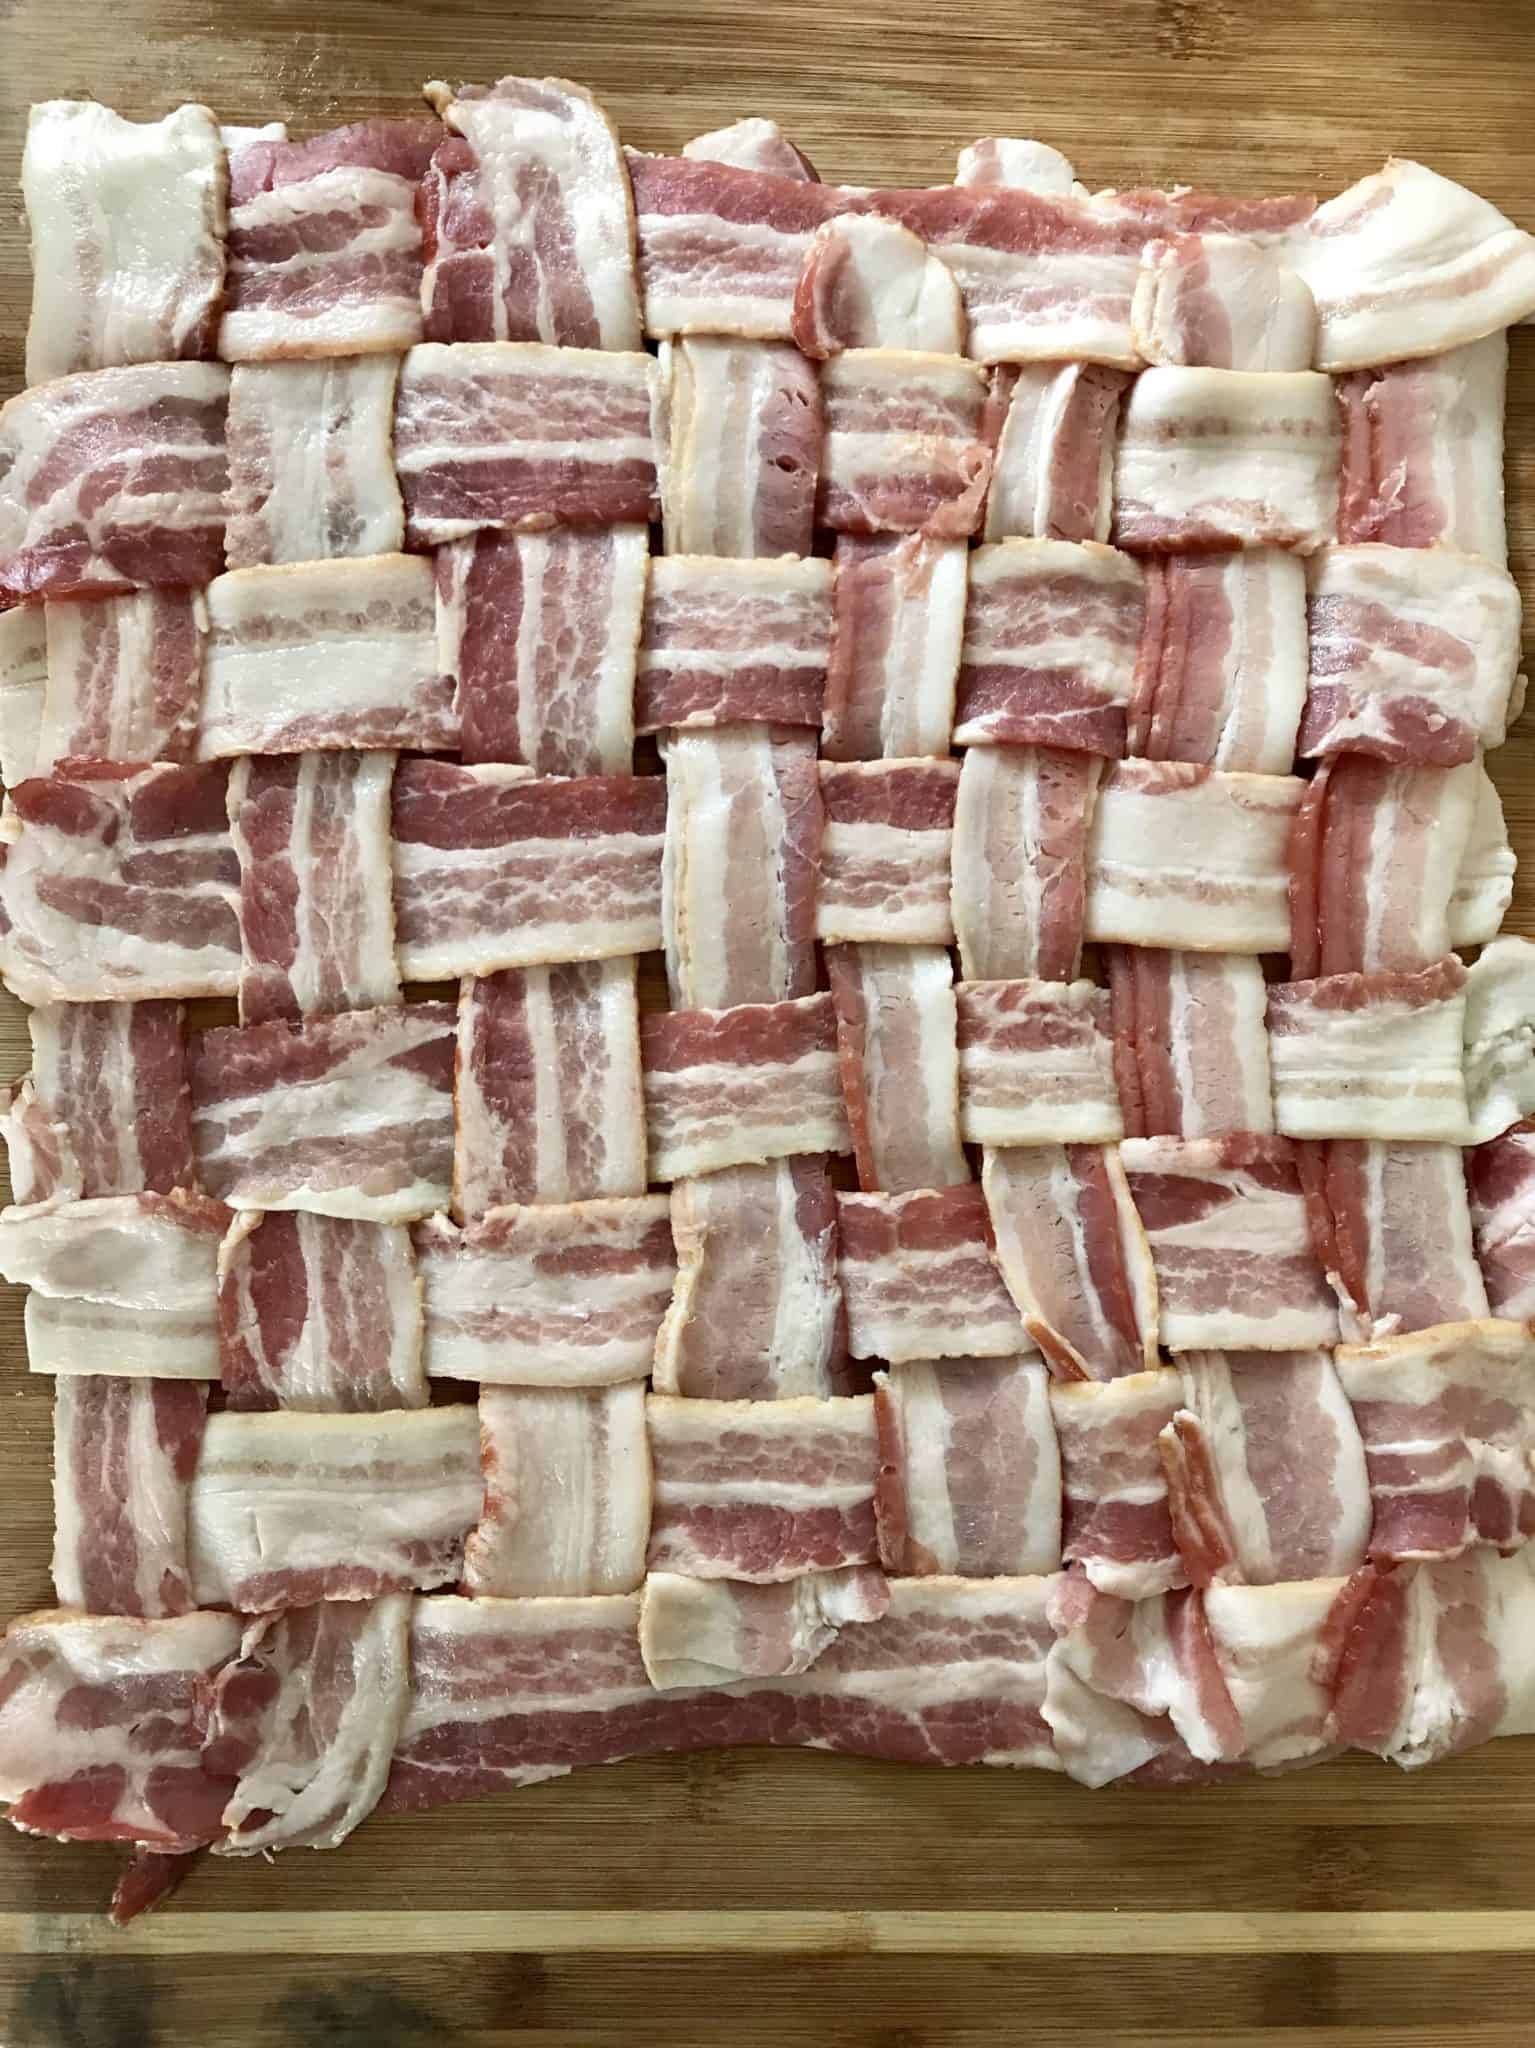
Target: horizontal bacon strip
920	1278
1370	1055
885	852
728	642
1036	1064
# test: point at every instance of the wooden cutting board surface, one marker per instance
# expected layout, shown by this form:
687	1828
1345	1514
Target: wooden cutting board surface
796	1901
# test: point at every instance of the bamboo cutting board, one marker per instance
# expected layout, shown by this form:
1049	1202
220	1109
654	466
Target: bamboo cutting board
791	1901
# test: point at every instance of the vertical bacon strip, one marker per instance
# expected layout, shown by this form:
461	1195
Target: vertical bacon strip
896	1026
753	144
1484	885
870	283
1020	861
23	688
1391	1224
1053	462
744	454
899	620
124	1451
1116	1521
311	461
1501	1175
125	679
1191	1055
39	1155
114	1076
1226	302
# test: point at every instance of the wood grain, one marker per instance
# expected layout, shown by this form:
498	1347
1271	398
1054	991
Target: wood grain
797	1901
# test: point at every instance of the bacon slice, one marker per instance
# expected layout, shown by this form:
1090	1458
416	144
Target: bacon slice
729	641
900	1064
885	852
1226	458
558	1295
349	1115
757	1312
1370	1055
706	1632
528	222
1501	1176
494	870
870	283
903	450
125	678
1423	451
39	1155
970	1476
306	1718
114	1076
1222	302
739	1086
1050	641
1036	1064
101	1727
127	221
900	614
311	461
761	1490
541	631
1484	884
1191	857
1005	160
1226	1222
1021	822
738	884
1221	672
324	249
1500	1038
520	436
1053	456
113	480
124	1451
1271	1644
1406	262
1265	1469
1390	1223
744	441
753	144
920	1278
319	1313
547	1091
1191	1055
23	688
1116	1522
567	1491
1448	1421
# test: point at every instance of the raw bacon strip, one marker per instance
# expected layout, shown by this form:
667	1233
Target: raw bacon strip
1006	160
1050	644
900	1064
494	870
306	1718
738	883
753	144
870	283
560	1295
885	852
743	449
101	1727
1191	1055
311	461
1036	1064
128	221
1374	860
1370	1055
739	1086
311	832
567	1491
1500	1038
1053	457
1406	262
541	631
1413	654
1226	458
39	1155
319	1313
121	1284
1448	1421
288	1509
1391	1225
1226	1222
1191	857
756	1314
1271	1646
349	1115
920	1278
123	1454
547	1092
324	250
1222	302
113	480
325	654
114	1076
1021	822
761	1490
125	678
1501	1175
23	686
1074	1257
900	614
1484	885
970	1476
728	642
707	1632
520	436
903	450
1221	672
1116	1522
1423	451
528	222
1265	1469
